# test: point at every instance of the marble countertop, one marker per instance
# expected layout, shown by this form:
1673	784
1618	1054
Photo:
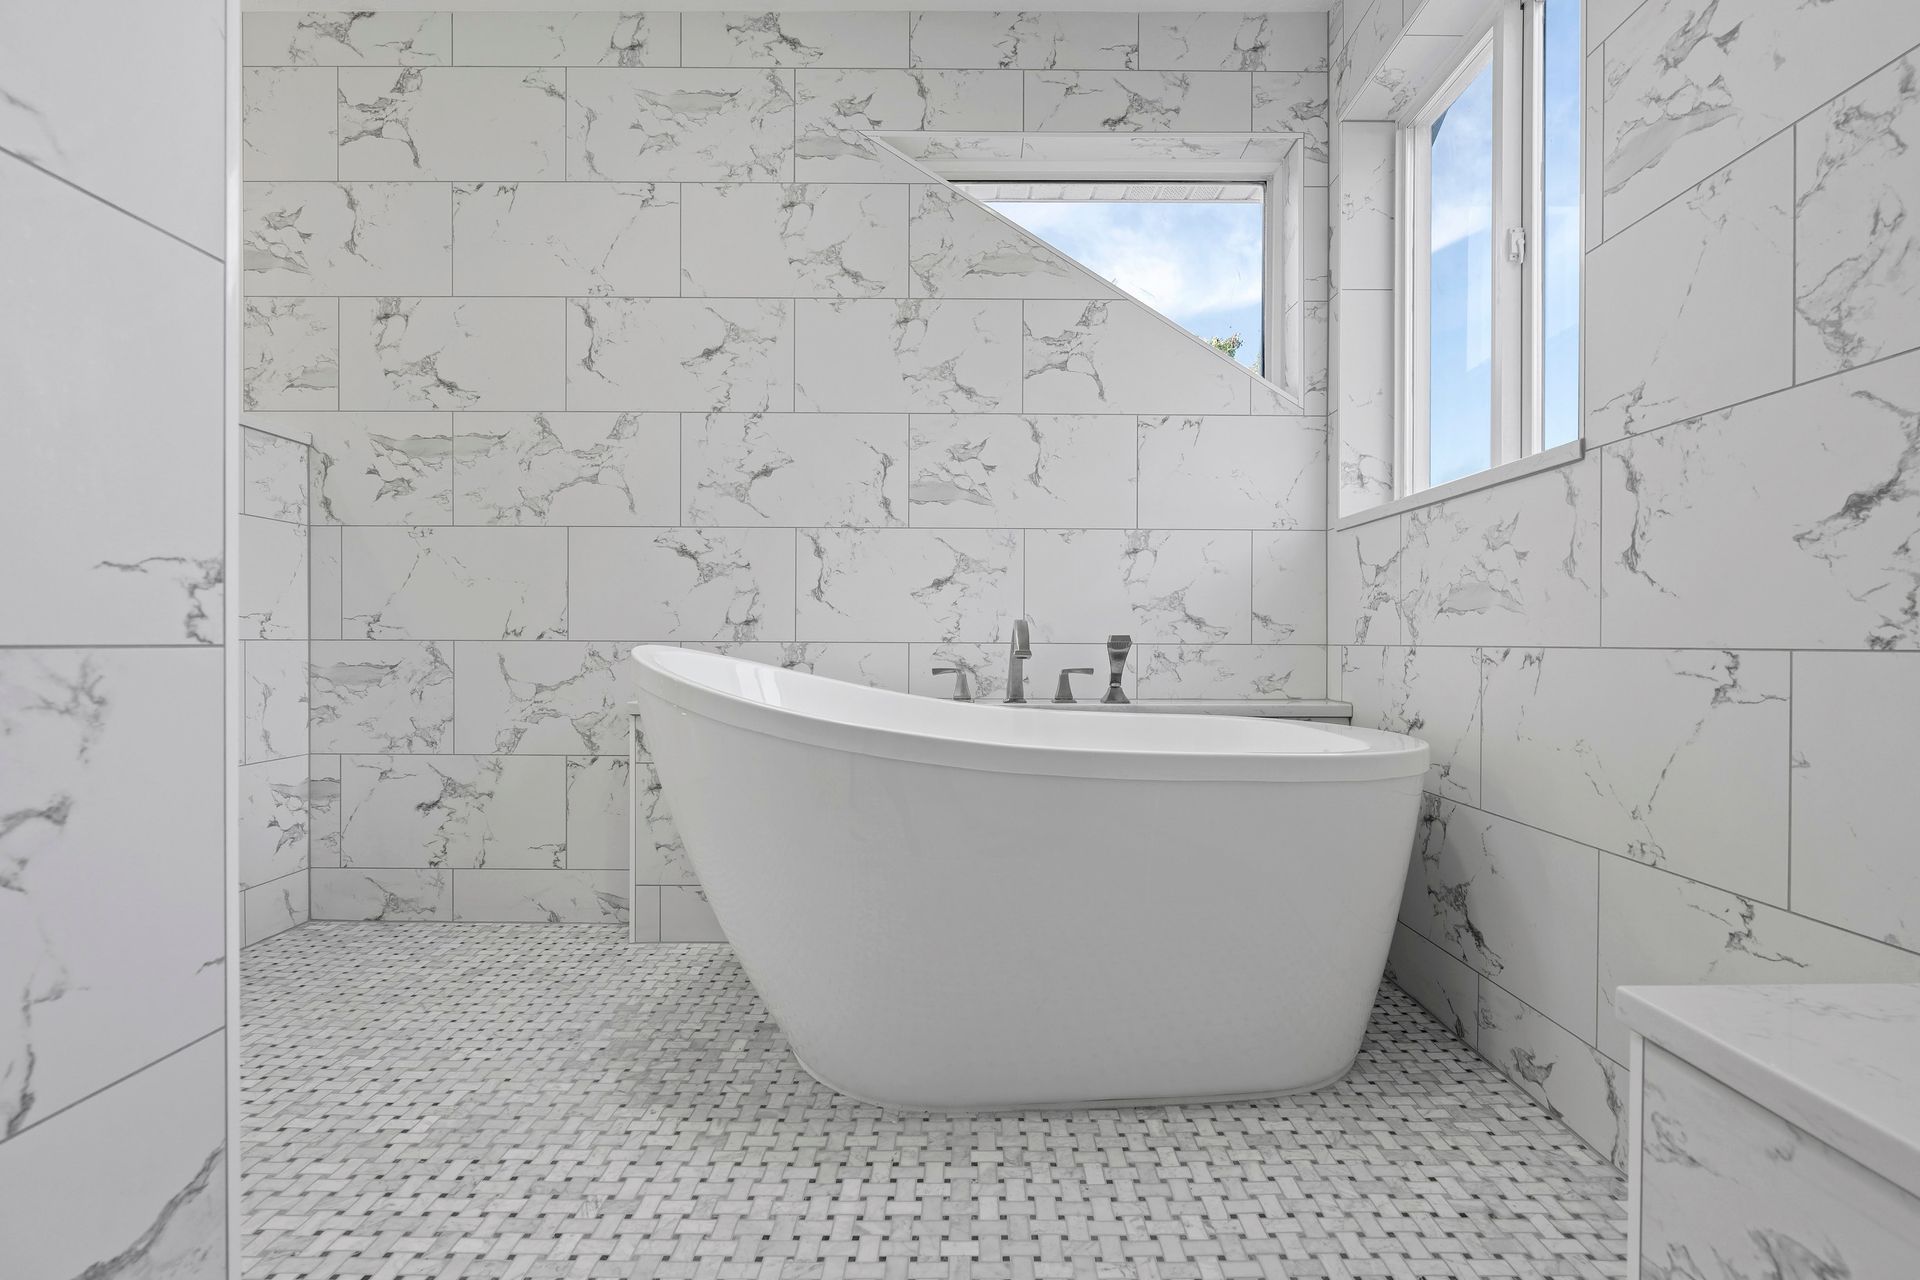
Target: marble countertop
1841	1062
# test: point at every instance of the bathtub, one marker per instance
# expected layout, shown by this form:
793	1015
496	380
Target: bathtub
960	906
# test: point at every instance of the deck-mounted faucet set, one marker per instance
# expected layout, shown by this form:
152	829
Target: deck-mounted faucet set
1022	649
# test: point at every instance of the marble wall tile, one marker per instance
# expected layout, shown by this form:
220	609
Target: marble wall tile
453	811
986	668
291	351
1397	80
1442	985
576	238
1823	536
382	893
1677	758
542	897
961	249
103	385
1431	694
1689	89
112	854
381	696
1363	583
1856	296
836	108
878	666
145	130
1003	470
1108	357
1658	928
306	238
680	353
459	583
452	353
597	807
1364	382
1233	471
838	240
74	1199
1574	1081
906	584
1138	101
1191	587
358	39
795	39
922	356
1854	807
1233	41
795	468
1290	587
1364	196
273	696
452	124
272	583
1691	308
273	907
323	811
1232	671
289	123
628	125
376	468
1517	563
568	39
685	916
1295	102
1727	1179
567	468
540	698
1316	321
273	482
1515	904
683	584
1024	41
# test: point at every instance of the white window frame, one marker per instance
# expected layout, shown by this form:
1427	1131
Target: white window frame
1511	43
1216	157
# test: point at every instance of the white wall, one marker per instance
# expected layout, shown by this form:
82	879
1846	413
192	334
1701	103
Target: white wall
615	328
1672	688
113	894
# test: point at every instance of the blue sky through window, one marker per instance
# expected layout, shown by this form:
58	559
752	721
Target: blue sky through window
1199	263
1460	286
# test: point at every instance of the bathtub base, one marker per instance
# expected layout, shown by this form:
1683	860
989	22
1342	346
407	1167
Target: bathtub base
1090	1104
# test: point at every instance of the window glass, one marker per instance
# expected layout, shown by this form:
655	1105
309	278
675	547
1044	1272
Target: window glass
1193	252
1560	237
1460	286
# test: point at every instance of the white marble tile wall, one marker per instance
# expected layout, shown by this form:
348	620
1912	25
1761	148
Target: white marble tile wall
115	644
1672	687
610	328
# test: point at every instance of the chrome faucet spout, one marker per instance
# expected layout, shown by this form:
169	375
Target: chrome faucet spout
1021	650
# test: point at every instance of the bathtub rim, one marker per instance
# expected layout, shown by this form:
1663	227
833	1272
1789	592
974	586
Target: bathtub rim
1384	755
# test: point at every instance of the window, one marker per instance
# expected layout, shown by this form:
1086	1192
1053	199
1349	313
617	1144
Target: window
1489	243
1194	251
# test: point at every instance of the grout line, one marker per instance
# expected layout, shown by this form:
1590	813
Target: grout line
120	1080
100	199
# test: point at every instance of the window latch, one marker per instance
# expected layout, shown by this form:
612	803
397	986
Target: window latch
1516	245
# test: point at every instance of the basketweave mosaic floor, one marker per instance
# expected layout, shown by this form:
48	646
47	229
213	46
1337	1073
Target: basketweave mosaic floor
551	1101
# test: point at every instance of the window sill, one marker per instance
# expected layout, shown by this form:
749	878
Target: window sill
1546	460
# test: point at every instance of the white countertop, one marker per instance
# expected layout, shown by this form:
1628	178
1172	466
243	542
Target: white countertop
1841	1062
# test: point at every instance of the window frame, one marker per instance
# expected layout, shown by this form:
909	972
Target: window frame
1511	42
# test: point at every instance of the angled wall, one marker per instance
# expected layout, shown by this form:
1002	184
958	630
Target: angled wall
1672	687
113	645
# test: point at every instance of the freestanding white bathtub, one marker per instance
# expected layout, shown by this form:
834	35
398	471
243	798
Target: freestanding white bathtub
964	906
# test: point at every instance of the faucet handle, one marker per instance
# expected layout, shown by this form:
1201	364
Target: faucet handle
962	691
1064	693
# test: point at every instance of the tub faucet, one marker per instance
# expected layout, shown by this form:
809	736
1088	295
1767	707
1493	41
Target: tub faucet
1117	650
1021	651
